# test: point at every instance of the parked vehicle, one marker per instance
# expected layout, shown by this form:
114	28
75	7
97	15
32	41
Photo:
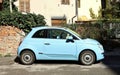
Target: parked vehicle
55	43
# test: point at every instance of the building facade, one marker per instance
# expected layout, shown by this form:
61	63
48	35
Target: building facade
59	12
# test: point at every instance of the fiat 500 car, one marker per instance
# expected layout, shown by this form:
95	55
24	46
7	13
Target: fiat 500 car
55	43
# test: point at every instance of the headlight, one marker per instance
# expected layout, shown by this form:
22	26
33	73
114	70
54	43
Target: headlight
101	47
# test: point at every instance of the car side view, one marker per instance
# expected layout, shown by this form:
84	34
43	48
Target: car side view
56	43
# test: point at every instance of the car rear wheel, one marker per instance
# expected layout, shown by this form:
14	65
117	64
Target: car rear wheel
27	57
87	57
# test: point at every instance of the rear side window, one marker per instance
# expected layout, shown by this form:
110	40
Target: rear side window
40	34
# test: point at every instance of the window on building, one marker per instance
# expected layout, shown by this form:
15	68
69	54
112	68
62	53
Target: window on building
58	20
67	2
24	5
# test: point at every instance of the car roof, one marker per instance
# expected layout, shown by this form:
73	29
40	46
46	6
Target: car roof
49	27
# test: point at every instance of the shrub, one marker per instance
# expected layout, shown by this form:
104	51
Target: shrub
86	30
21	21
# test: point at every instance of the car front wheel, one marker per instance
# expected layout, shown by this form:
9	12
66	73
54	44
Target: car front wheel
27	57
87	57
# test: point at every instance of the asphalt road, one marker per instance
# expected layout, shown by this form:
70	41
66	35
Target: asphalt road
11	66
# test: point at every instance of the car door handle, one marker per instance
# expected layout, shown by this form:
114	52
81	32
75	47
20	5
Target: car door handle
47	43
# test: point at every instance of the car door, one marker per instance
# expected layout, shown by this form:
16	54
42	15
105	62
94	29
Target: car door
57	46
37	42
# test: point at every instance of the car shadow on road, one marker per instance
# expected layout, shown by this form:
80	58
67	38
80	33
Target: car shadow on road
17	60
112	63
108	61
55	62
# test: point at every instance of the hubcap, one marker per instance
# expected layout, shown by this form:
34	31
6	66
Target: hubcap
27	58
87	58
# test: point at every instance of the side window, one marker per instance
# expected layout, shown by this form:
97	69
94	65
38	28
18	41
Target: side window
58	34
64	35
54	34
40	34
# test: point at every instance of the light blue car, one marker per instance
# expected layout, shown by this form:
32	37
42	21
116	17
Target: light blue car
55	43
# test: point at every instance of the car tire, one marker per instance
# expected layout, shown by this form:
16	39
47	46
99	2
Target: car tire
87	57
27	57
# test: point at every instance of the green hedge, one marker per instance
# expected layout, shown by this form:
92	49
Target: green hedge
87	30
99	29
21	21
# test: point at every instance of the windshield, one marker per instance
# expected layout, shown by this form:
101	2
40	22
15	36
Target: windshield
74	32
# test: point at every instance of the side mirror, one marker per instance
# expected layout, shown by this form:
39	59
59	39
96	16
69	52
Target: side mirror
70	39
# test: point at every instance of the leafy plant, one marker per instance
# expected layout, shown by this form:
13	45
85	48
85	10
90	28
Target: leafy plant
6	5
92	14
86	30
112	10
21	21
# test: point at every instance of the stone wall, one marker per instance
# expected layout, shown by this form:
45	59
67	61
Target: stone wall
10	37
